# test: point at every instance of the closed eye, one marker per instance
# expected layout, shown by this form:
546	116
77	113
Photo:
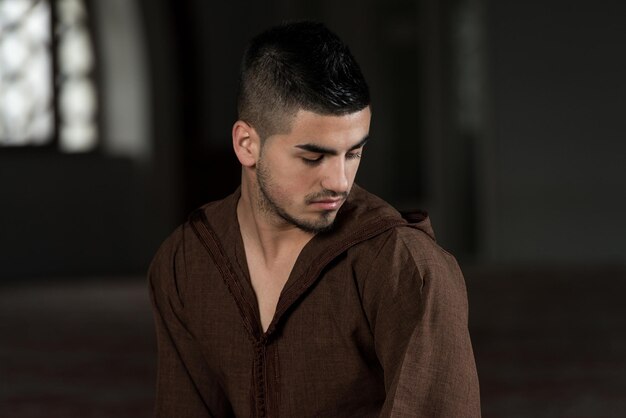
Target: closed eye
316	161
312	161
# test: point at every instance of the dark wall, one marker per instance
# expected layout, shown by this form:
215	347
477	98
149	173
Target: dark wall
557	76
67	215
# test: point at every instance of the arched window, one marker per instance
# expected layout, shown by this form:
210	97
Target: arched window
47	91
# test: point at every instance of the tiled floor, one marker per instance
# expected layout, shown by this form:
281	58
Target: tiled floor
548	343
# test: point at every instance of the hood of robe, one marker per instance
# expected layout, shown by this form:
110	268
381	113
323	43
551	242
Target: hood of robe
363	208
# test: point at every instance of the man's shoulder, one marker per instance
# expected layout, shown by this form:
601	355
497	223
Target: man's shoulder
408	243
404	259
411	238
218	214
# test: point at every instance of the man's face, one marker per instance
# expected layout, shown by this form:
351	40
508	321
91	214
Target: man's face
305	175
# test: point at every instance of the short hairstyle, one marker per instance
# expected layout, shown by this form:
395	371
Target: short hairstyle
300	65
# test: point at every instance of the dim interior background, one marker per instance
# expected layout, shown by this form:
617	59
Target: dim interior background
503	119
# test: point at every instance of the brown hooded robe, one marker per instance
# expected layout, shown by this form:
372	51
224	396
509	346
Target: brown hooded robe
371	322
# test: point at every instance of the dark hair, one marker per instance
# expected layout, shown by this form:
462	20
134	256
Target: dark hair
301	65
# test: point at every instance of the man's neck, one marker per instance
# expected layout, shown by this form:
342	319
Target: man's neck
273	238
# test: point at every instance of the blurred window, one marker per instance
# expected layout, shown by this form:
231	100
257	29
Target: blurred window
47	90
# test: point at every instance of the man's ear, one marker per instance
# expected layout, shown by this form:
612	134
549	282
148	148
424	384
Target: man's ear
246	143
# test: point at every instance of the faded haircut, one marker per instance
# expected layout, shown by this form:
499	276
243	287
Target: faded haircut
300	65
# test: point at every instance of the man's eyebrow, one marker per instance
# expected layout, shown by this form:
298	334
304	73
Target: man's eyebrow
318	149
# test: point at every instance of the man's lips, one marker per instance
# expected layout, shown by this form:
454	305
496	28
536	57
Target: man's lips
327	204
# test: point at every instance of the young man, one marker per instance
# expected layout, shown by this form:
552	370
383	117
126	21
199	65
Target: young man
302	295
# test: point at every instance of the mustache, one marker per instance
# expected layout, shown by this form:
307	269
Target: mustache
326	194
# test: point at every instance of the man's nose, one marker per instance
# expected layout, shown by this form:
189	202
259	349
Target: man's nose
335	176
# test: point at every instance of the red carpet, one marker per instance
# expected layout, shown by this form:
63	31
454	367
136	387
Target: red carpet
550	342
76	350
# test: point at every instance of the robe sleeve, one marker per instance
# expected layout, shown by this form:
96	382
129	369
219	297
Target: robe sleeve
182	389
418	313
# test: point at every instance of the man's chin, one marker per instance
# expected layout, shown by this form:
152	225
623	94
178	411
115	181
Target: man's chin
324	223
317	229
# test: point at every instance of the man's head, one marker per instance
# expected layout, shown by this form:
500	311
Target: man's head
297	66
304	117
